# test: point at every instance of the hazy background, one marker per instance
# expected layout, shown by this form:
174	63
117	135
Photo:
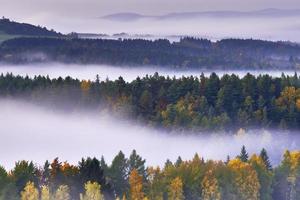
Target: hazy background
35	133
93	8
55	70
85	16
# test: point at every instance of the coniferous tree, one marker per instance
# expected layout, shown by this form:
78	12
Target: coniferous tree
90	170
137	162
264	156
243	155
118	175
178	161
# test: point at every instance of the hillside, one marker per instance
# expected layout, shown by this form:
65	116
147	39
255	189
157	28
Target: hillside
277	13
188	53
14	28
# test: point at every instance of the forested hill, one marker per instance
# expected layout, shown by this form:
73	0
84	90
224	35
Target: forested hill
186	54
14	28
193	103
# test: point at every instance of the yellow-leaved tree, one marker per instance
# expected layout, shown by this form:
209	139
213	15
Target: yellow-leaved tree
62	193
210	187
45	193
85	85
92	192
136	185
289	98
176	189
246	181
30	192
293	161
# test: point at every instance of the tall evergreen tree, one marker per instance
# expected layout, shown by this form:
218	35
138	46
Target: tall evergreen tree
243	155
118	175
90	170
264	156
137	162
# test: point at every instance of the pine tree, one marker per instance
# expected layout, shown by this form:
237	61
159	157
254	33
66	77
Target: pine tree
103	165
227	159
90	170
264	156
118	174
244	155
178	162
137	162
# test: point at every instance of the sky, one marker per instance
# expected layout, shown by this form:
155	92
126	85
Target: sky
32	9
84	16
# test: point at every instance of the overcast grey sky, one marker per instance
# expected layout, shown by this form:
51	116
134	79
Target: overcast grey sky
84	16
95	8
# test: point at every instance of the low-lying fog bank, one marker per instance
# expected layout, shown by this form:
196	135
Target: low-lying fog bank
54	70
35	133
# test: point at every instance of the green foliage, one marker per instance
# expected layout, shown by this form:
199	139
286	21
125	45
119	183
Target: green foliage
118	174
187	179
189	103
264	156
23	173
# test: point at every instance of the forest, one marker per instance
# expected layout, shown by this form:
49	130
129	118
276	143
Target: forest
242	178
10	27
198	104
188	53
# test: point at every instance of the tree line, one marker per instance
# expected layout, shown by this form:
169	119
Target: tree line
191	103
188	53
10	27
242	178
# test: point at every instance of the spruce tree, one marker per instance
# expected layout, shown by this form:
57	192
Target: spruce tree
244	155
137	162
178	161
264	156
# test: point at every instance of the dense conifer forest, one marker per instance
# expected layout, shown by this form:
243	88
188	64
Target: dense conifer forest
242	178
188	53
10	27
191	103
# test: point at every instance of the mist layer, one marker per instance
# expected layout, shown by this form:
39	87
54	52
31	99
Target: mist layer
55	70
34	133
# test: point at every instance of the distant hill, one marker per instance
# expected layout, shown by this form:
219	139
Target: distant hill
192	15
124	16
188	53
9	27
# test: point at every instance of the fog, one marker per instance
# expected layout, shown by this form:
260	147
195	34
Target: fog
267	28
55	70
285	28
36	133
